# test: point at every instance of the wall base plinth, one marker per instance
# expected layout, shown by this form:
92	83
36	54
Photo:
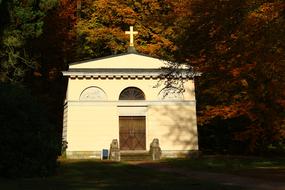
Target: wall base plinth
165	154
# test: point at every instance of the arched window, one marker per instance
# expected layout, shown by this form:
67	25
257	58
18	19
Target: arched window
132	93
93	93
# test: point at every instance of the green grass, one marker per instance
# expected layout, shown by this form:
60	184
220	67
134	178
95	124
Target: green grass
227	163
87	175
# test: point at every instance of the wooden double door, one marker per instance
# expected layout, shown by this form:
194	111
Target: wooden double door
132	132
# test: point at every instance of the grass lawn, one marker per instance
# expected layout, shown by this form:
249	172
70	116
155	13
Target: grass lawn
226	163
89	174
264	168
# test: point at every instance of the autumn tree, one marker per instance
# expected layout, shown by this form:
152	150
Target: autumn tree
58	38
239	47
101	28
55	48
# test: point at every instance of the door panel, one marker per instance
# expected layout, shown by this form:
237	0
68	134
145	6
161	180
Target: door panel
132	132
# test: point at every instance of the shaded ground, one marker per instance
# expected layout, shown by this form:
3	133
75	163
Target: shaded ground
245	180
93	175
194	174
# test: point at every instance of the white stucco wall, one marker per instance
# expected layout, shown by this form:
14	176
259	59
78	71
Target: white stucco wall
174	125
64	129
113	88
92	125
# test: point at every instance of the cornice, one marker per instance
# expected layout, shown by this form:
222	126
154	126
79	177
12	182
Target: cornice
124	73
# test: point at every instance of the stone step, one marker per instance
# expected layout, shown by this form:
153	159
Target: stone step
135	156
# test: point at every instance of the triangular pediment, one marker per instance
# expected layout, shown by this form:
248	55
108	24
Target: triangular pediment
122	61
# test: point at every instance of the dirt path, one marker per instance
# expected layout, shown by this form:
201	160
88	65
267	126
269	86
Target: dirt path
251	183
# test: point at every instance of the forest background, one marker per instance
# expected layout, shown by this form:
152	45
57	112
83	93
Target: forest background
238	45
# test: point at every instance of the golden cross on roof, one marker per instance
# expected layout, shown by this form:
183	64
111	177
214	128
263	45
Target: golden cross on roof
131	33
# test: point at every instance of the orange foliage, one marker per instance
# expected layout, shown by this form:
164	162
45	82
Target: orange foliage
239	47
103	25
266	13
226	112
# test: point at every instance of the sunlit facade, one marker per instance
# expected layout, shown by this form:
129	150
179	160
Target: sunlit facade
124	97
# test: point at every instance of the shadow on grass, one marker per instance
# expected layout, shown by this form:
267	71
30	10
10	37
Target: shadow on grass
270	169
227	163
87	175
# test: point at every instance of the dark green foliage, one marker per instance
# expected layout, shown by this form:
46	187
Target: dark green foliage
28	142
20	23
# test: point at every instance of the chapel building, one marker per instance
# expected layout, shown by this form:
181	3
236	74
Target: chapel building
124	97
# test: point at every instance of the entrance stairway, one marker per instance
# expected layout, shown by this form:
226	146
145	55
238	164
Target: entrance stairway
135	156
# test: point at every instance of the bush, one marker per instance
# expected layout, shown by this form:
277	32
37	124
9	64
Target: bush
28	142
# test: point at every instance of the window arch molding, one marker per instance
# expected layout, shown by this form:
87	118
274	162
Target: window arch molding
93	93
132	93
